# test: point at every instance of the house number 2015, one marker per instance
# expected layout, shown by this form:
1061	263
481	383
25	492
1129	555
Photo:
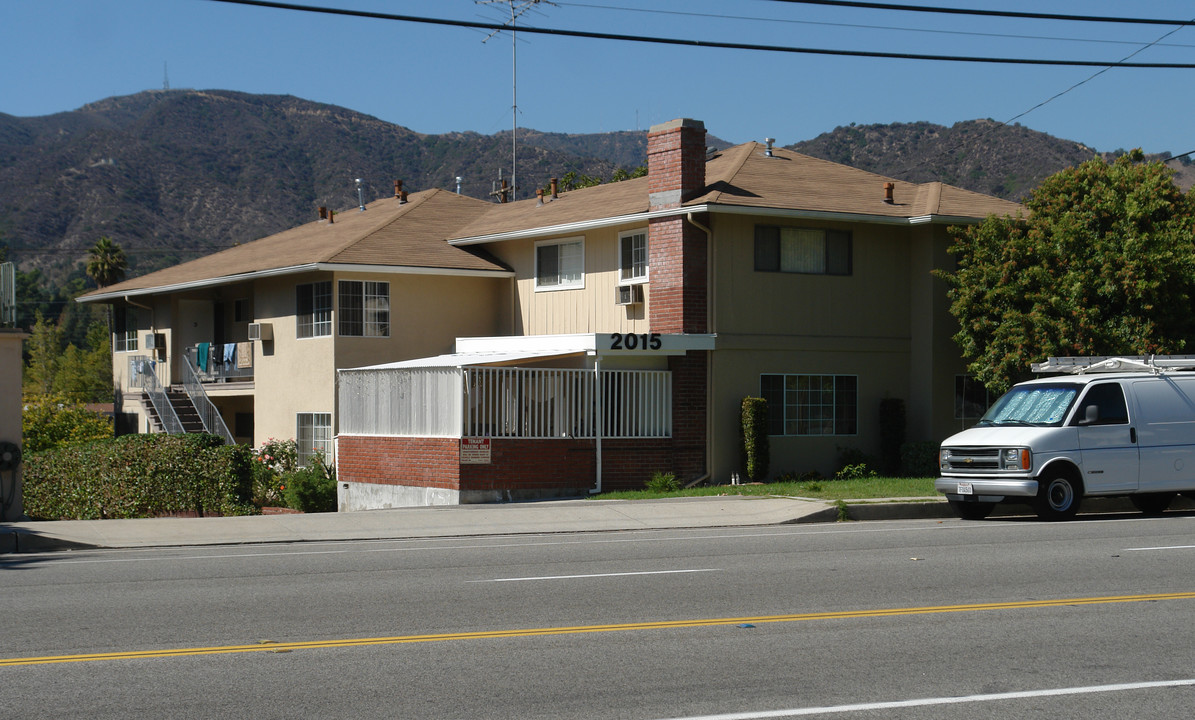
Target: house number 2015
631	341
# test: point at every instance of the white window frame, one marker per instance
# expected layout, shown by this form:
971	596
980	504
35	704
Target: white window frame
626	275
312	435
577	284
374	308
318	326
126	340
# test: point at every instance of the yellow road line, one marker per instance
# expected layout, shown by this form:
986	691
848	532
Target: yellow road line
531	632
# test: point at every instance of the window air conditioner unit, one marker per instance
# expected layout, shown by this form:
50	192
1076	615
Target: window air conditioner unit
261	331
155	341
628	294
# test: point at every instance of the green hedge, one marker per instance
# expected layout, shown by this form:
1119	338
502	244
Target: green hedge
754	433
139	476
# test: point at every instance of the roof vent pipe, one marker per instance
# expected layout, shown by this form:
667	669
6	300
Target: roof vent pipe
539	197
398	189
770	142
555	189
323	212
888	187
402	197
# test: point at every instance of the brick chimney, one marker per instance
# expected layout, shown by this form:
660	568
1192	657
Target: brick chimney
675	162
678	284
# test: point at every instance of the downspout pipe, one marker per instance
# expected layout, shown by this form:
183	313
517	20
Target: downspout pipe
597	429
710	305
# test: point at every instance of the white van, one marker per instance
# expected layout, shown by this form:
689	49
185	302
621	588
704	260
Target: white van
1112	426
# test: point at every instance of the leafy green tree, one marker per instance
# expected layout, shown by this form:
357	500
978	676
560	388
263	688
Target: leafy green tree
50	421
1103	265
44	347
107	263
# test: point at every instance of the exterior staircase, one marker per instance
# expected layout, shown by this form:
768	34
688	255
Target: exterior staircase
183	407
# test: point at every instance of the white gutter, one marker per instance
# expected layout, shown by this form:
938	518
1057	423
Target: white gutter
583	225
291	270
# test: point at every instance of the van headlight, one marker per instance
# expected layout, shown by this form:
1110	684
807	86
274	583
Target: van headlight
944	459
1016	459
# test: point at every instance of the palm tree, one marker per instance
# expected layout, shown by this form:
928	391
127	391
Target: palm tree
107	264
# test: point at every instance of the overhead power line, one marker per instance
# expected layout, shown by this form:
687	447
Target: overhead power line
702	43
990	13
887	28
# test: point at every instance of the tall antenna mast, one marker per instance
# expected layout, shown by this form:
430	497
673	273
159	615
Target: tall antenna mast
165	76
516	11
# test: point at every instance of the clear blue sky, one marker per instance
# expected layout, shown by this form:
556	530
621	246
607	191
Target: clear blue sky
58	55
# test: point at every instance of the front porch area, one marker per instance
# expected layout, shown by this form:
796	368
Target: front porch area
474	427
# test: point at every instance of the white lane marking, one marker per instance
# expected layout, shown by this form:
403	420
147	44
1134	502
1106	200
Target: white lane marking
922	702
596	575
477	545
1163	547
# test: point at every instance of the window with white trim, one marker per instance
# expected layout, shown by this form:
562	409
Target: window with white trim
560	264
313	309
811	404
632	256
364	309
124	330
313	435
802	250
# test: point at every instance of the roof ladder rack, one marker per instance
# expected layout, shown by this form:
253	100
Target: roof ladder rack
1154	364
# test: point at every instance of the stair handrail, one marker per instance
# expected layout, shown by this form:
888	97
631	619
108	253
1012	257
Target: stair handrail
212	421
143	374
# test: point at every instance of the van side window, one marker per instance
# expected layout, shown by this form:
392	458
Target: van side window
1102	405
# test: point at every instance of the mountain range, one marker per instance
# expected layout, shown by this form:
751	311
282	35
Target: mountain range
173	174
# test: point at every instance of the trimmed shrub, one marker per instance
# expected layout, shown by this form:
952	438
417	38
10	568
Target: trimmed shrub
311	488
919	459
892	434
754	424
139	476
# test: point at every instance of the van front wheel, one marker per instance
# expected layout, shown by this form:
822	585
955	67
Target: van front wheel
1057	498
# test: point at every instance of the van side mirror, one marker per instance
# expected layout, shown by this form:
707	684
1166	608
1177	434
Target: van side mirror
1091	415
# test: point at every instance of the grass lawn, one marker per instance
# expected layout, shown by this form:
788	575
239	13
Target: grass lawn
877	487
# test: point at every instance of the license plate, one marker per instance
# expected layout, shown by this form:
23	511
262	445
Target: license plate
965	489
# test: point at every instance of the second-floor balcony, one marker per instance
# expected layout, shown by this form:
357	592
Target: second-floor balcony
218	363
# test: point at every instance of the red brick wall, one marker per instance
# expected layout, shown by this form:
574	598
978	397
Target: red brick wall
528	466
419	462
690	401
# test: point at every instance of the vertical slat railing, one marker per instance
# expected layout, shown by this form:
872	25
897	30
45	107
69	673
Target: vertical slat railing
213	422
143	374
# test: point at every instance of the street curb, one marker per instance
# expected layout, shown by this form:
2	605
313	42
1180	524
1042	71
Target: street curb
21	541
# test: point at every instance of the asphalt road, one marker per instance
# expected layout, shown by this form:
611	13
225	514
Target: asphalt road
910	619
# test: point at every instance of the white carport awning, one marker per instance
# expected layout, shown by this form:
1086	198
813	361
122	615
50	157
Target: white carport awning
466	359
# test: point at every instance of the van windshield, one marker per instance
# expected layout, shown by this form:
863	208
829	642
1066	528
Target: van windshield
1032	405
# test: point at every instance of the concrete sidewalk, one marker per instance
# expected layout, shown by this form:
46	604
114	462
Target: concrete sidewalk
452	521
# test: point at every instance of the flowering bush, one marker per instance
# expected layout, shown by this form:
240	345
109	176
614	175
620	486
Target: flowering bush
272	462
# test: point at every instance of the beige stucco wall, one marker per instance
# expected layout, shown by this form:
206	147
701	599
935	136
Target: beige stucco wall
10	415
580	310
887	323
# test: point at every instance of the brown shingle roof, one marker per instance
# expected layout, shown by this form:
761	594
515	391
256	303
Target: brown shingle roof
744	176
387	233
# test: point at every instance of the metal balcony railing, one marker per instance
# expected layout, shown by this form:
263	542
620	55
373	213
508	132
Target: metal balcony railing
212	421
221	363
143	373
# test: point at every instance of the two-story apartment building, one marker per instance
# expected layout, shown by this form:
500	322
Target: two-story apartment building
464	351
645	311
256	332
